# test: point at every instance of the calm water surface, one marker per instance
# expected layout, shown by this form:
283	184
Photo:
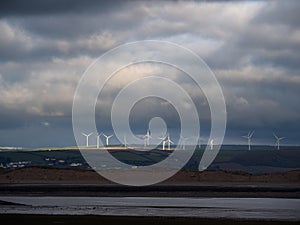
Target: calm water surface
255	208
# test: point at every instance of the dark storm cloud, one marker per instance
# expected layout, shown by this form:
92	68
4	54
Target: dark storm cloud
54	7
57	34
62	26
15	120
275	102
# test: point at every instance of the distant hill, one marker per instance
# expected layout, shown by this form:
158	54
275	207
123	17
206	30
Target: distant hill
260	161
256	161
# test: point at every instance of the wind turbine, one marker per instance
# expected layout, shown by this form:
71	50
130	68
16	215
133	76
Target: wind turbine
211	144
107	138
184	142
147	138
163	139
278	139
169	142
125	141
249	136
87	138
198	141
98	141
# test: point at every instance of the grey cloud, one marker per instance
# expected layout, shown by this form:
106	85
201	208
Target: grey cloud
280	12
50	7
57	35
286	59
267	103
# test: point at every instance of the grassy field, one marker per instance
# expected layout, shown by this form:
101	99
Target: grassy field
225	160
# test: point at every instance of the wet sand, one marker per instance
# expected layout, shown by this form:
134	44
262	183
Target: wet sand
204	190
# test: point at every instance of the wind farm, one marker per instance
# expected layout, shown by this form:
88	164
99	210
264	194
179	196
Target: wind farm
165	142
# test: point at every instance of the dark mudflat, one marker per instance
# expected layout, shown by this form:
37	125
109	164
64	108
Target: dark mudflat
212	190
112	220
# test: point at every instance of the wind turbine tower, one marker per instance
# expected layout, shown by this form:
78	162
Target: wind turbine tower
211	144
199	142
184	142
98	140
147	138
125	141
163	139
169	142
87	138
107	138
278	139
249	136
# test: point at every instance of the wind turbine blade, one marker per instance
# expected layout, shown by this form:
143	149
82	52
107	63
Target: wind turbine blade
275	136
251	134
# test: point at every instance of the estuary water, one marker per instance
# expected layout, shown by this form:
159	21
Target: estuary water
244	208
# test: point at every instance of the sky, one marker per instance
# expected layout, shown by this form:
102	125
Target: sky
252	47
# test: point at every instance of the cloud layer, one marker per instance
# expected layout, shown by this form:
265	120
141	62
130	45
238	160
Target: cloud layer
253	47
